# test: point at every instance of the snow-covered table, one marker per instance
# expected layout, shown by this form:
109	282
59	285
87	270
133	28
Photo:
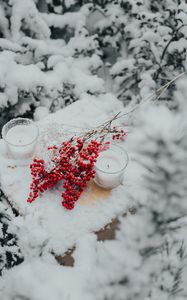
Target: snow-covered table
44	225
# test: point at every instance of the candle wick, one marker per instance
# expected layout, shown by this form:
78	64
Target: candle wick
108	166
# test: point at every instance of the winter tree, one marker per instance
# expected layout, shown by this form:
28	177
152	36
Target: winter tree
42	71
148	258
10	254
54	51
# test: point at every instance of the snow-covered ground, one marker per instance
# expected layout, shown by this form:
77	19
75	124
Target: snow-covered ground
45	226
148	255
54	53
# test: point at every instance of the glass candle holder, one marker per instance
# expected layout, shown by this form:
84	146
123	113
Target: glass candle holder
20	136
110	167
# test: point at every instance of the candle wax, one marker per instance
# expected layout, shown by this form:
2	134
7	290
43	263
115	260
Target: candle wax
21	141
109	169
108	163
21	135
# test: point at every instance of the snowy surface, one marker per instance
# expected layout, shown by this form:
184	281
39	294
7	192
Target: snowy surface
45	226
54	53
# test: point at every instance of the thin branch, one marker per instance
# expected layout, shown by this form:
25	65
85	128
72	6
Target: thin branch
158	93
171	40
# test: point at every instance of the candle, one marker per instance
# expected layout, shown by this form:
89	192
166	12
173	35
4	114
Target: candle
20	136
110	167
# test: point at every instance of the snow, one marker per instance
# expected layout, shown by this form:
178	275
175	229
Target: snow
3	100
83	52
70	19
68	283
45	226
122	65
147	85
38	218
30	14
4	22
45	47
15	76
40	113
8	45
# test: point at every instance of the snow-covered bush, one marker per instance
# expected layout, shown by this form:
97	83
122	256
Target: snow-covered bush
148	258
144	42
39	67
54	51
10	254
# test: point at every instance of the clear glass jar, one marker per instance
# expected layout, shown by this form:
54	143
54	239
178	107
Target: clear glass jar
110	167
20	136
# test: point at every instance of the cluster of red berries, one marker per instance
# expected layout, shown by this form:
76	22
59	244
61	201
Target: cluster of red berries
73	163
119	135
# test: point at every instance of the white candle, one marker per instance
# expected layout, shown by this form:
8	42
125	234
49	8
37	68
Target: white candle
110	168
21	139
